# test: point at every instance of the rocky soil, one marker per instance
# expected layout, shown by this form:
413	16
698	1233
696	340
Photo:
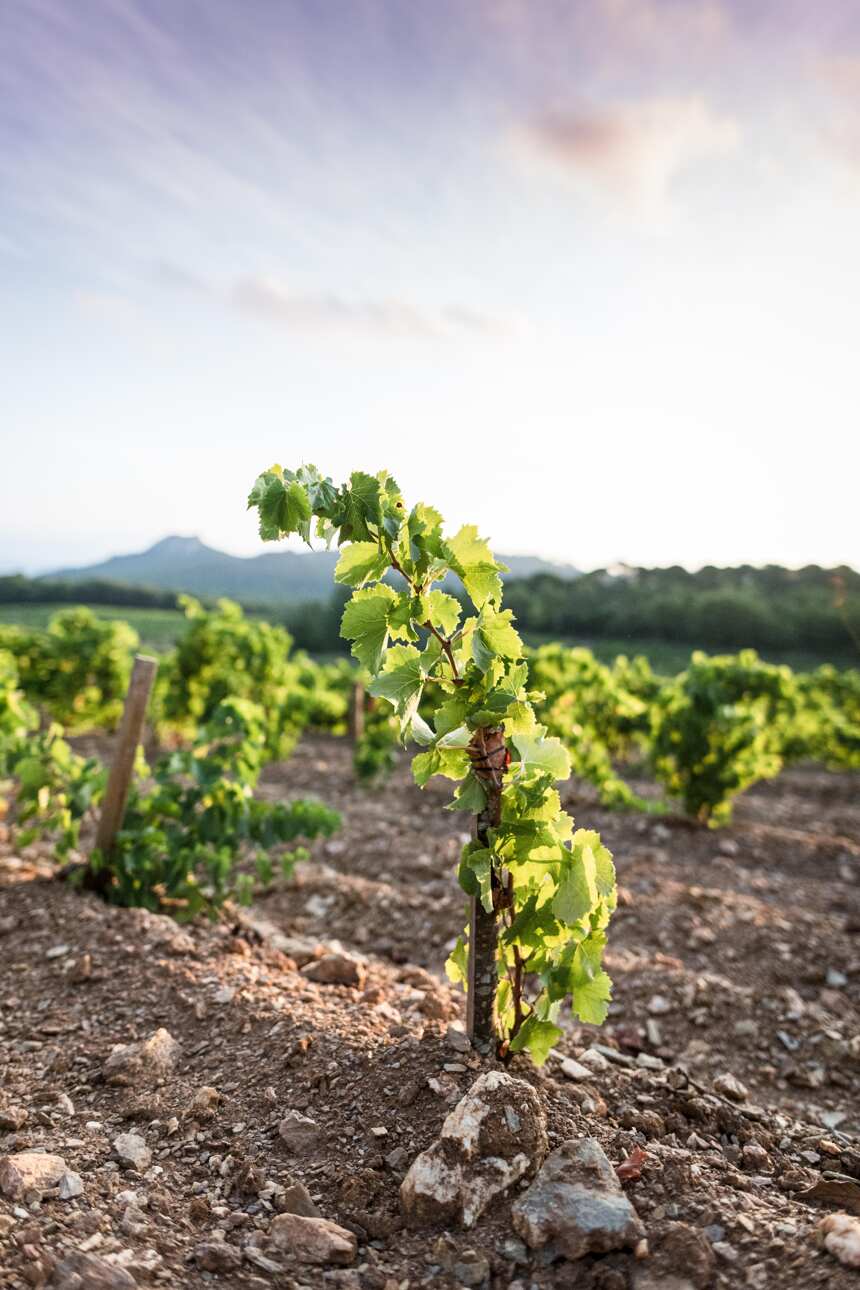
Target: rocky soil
287	1099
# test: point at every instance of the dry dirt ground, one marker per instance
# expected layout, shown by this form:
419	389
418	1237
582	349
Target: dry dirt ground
733	952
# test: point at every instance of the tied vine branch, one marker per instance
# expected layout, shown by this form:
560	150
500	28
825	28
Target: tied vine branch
541	891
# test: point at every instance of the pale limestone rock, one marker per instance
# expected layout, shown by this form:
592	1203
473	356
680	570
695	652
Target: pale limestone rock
146	1062
29	1171
313	1240
494	1136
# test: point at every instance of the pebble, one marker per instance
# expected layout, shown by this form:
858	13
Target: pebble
836	980
840	1235
574	1070
299	1132
146	1062
729	1086
80	1270
131	1151
594	1060
658	1004
336	969
70	1185
217	1256
456	1038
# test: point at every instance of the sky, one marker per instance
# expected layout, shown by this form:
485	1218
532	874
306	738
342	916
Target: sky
582	272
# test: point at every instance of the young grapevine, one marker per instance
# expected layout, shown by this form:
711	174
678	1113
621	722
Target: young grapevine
542	891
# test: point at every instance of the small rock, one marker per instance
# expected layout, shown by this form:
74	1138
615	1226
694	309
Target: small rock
729	1086
336	969
571	1069
13	1118
57	952
658	1005
470	1269
836	980
296	1199
133	1222
299	1132
576	1204
217	1256
495	1135
513	1250
594	1060
71	1185
131	1151
203	1104
840	1236
313	1240
29	1171
649	1062
82	1271
149	1061
456	1038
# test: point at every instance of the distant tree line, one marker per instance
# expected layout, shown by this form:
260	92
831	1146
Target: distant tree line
768	608
16	589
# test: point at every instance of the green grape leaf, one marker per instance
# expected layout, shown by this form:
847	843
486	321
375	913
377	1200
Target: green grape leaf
475	874
440	609
495	637
589	986
482	584
450	762
401	680
363	506
459	738
604	869
365	623
467	548
543	754
421	732
577	888
360	562
470	796
457	963
537	1037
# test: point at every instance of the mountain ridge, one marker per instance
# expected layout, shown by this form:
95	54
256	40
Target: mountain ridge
186	564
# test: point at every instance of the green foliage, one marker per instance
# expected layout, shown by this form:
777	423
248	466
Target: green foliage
808	612
552	888
184	833
719	727
16	714
826	726
77	670
54	787
595	716
222	655
375	753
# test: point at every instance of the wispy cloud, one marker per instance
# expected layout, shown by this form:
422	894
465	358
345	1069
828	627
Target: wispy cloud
632	151
274	301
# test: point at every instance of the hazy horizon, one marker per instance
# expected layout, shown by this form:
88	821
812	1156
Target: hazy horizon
300	548
582	273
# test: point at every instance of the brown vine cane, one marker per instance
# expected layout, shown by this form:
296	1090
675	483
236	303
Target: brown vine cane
489	759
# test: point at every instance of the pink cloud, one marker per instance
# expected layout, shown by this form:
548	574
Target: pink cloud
634	150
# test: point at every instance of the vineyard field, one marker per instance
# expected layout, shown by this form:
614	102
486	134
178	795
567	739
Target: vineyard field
703	956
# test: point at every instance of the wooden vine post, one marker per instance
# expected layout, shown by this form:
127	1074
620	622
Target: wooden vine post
356	712
127	740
